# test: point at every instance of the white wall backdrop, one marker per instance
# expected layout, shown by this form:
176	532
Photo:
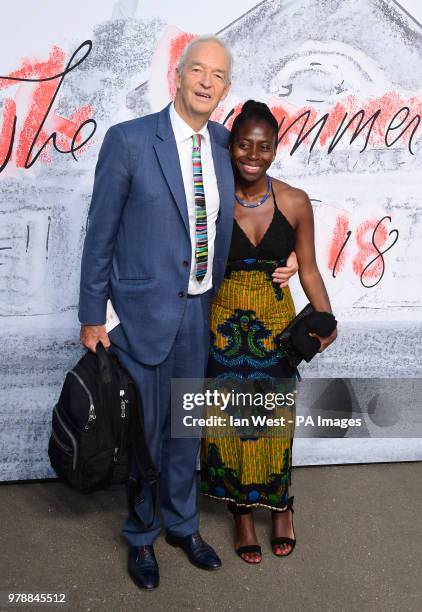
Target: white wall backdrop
318	64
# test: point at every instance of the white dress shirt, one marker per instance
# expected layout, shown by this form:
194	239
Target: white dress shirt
183	134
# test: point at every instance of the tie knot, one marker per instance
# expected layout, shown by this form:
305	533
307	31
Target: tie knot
196	138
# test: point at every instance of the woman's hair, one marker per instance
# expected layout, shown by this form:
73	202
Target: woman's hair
257	111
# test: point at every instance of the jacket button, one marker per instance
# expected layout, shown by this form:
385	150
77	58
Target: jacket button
181	294
185	263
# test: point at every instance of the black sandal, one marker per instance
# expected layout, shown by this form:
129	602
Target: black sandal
250	548
275	542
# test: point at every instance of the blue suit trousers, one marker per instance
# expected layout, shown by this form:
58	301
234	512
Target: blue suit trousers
175	458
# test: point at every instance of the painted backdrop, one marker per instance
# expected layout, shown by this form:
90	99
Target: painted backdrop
344	81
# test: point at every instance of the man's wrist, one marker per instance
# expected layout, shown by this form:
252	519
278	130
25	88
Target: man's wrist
84	324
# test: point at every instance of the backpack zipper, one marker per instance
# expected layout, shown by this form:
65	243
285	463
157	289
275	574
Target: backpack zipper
123	403
67	449
70	434
91	415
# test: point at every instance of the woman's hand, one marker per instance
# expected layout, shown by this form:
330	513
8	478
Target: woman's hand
283	275
325	341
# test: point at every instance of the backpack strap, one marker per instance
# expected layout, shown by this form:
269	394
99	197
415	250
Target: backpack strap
104	364
107	388
147	471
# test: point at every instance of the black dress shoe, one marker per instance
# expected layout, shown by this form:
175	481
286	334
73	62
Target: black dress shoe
199	552
143	567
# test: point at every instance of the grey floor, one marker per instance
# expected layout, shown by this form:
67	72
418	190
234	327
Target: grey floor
358	527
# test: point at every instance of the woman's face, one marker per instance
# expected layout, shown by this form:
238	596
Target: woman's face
253	150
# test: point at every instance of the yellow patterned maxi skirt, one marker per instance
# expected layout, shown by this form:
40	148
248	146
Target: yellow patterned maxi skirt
246	462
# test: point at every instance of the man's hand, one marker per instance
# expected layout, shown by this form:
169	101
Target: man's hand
283	275
92	334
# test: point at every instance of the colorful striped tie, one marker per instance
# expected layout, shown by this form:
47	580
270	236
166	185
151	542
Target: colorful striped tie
201	243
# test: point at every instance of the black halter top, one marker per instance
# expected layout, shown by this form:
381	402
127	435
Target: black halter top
276	244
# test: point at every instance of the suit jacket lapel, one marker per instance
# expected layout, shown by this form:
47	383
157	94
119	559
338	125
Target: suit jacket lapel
222	163
168	156
225	183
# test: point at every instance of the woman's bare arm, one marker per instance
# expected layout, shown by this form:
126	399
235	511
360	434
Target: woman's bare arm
309	275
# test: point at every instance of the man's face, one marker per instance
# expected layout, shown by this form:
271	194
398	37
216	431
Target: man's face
204	79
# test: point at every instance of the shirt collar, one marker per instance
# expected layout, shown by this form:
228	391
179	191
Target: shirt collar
182	131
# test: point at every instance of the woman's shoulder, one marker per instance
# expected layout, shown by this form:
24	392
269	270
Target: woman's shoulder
289	196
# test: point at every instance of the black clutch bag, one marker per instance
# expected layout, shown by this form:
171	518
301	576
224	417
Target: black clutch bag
296	343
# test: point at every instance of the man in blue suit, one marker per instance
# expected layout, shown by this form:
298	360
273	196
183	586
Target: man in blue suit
157	242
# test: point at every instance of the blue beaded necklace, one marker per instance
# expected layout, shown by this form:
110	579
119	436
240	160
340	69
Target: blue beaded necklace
256	204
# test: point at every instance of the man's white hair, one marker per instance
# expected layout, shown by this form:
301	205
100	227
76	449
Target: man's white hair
203	39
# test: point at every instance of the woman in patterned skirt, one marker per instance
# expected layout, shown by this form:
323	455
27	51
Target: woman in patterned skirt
253	468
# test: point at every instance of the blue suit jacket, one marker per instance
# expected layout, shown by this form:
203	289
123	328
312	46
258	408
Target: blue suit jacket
137	242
